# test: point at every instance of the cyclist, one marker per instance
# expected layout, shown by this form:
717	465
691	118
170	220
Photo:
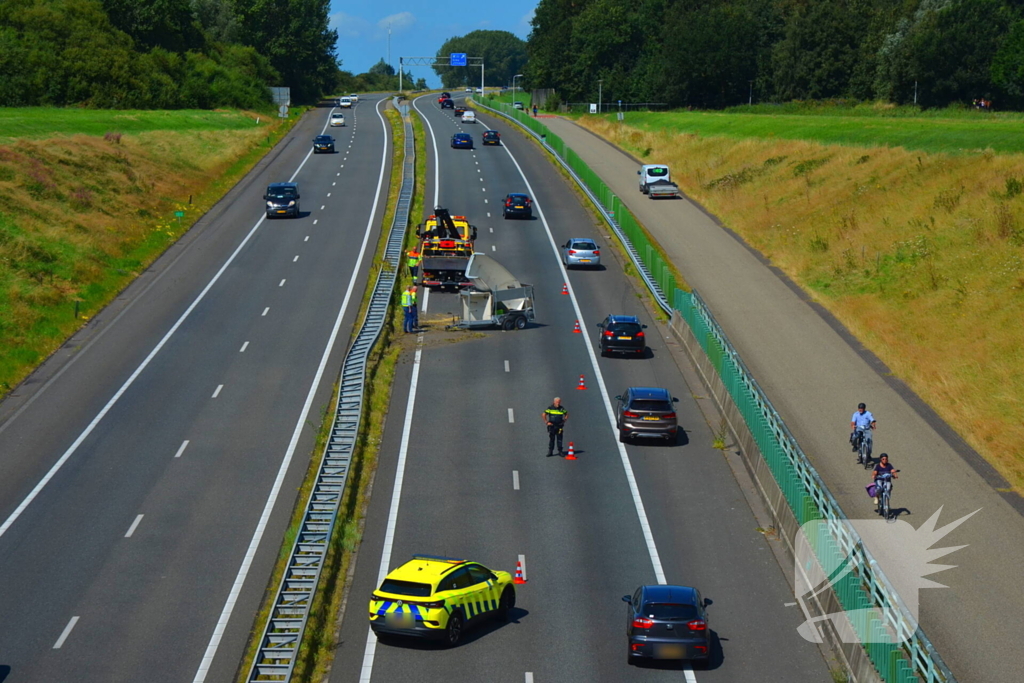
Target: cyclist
861	425
882	476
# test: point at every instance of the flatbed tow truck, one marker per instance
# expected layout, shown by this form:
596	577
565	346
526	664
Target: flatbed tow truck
446	244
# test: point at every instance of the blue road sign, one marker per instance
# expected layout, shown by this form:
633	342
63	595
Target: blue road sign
458	59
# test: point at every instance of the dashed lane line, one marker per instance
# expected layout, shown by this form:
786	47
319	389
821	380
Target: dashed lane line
182	447
134	526
216	392
65	633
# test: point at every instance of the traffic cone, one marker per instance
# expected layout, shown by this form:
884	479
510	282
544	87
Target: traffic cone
519	573
571	455
577	330
582	385
565	288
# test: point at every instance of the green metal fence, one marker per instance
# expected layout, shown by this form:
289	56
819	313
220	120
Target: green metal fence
890	635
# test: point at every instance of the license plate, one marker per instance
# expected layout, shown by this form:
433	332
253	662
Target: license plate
520	207
584	260
625	338
399	620
282	211
651	419
668	652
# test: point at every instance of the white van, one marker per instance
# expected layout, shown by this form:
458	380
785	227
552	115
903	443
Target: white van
345	102
468	117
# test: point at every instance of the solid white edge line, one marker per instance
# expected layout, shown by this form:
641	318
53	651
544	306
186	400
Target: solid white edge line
515	480
181	449
138	371
134	526
243	571
65	633
366	671
652	548
437	157
511	416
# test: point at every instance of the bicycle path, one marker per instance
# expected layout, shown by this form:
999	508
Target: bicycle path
815	373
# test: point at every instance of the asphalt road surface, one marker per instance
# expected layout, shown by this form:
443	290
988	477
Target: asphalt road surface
466	445
141	467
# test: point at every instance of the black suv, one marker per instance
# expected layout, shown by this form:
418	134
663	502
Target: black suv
282	200
517	204
492	137
323	143
447	104
622	334
646	412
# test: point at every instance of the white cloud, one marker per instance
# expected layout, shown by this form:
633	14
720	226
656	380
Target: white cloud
398	22
349	26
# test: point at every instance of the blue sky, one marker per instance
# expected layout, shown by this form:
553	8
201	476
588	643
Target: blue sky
418	28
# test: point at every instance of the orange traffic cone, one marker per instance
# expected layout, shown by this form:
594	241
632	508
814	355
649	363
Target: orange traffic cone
565	288
582	385
577	330
571	455
518	578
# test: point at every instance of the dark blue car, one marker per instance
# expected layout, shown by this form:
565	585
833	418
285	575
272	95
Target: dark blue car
462	141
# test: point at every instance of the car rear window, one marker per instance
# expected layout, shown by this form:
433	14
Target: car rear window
657	172
589	246
649	404
410	588
670	611
624	327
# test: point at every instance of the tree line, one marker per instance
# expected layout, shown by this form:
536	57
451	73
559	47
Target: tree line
503	54
163	54
718	53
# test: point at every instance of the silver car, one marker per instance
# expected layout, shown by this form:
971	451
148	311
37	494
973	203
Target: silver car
581	251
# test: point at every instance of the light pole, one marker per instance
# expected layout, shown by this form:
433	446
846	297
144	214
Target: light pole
750	100
514	84
600	81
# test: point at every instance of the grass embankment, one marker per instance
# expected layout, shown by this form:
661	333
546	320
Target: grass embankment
320	640
920	255
88	205
942	131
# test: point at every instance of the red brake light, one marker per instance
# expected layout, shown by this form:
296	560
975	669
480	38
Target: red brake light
508	202
670	416
571	252
630	413
641	622
609	333
597	252
696	624
639	334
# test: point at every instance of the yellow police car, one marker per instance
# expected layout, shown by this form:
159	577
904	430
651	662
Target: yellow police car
438	597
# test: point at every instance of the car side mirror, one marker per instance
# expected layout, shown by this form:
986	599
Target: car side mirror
618	398
675	400
707	602
474	232
627	599
297	196
638	172
643	327
600	326
264	196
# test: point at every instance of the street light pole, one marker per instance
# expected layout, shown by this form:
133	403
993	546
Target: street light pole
750	100
514	83
481	80
600	81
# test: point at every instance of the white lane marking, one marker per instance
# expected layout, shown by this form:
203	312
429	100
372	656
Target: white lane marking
529	677
64	635
243	570
181	448
484	189
522	563
265	311
515	480
645	526
338	173
506	367
134	526
216	392
426	298
494	248
322	206
437	157
481	180
485	201
328	194
396	497
315	221
688	673
307	239
511	416
244	347
295	259
489	215
281	283
334	183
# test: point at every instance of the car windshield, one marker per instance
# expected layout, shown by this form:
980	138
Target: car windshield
585	246
337	116
651	405
625	328
657	172
281	194
323	138
670	611
410	588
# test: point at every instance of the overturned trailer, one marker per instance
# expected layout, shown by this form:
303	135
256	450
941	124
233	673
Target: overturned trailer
495	297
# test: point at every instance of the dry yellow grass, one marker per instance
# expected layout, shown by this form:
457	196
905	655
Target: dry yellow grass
920	255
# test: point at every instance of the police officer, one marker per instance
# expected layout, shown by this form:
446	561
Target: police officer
409	309
555	417
413	261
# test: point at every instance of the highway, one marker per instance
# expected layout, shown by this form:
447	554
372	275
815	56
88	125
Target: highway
463	471
148	469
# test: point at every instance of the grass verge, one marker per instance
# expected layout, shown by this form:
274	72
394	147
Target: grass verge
920	256
319	642
84	215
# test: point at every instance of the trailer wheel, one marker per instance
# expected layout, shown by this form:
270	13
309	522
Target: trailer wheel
508	324
520	322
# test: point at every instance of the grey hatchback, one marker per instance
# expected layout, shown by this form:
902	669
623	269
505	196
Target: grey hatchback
646	412
667	622
581	251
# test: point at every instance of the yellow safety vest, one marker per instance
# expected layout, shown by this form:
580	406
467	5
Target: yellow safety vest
414	260
408	299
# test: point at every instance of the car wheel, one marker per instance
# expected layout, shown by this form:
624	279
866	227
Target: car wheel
630	659
453	631
508	324
700	664
622	436
520	322
506	604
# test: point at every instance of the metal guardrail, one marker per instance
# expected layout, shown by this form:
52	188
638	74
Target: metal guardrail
282	635
891	639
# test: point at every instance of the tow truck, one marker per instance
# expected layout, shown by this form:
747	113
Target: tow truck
446	243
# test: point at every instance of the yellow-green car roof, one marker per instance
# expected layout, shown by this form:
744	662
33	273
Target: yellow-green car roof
425	568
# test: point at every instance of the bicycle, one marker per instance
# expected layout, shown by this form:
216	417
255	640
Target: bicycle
862	443
884	483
